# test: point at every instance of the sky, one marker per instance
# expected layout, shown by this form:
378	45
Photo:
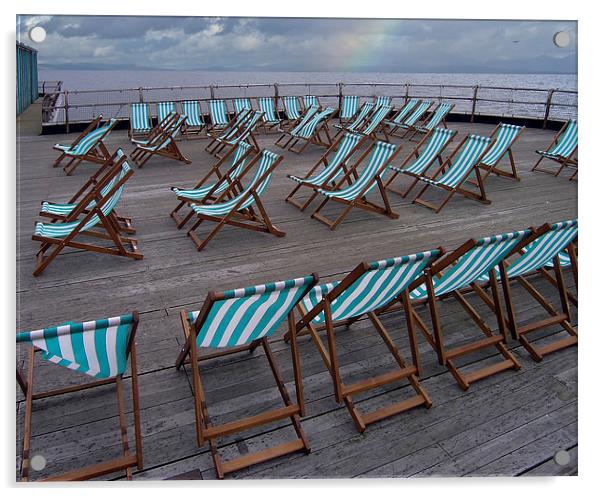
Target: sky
313	45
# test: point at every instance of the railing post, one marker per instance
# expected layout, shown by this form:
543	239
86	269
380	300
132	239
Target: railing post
276	94
211	92
548	107
66	112
340	95
407	97
474	102
140	95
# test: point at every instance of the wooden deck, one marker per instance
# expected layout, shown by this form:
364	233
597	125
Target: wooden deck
510	424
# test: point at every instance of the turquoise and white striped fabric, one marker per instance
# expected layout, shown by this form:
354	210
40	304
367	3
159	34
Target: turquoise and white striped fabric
366	108
291	107
503	139
172	131
98	348
246	314
380	154
308	130
234	126
349	106
140	117
218	112
405	110
467	158
417	114
384	281
249	125
541	252
436	143
382	100
63	229
470	267
348	142
268	106
310	100
437	117
88	142
563	257
200	193
192	110
242	103
566	143
164	109
220	209
376	118
307	116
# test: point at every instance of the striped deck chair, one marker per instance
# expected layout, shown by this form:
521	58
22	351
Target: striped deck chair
140	120
549	243
270	118
379	101
98	185
354	195
100	349
164	109
239	211
349	106
241	320
314	132
95	222
219	115
163	142
364	291
359	121
230	131
436	118
568	260
505	135
421	158
563	150
241	103
203	192
334	162
194	118
88	147
448	277
310	100
245	134
460	165
409	124
292	110
287	134
400	116
374	124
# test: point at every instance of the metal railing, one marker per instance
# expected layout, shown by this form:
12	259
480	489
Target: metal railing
45	87
66	107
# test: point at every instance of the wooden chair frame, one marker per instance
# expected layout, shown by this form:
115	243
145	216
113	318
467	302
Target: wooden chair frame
569	161
189	130
320	137
419	130
206	431
413	155
247	219
132	133
107	230
360	200
90	127
287	133
305	107
288	123
494	169
232	129
244	128
393	130
266	126
212	127
359	124
345	120
128	460
480	196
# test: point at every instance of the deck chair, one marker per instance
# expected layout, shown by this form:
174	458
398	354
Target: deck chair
349	106
449	275
239	211
194	118
100	349
219	115
354	195
260	311
245	134
379	101
365	290
436	118
270	118
460	165
163	143
288	134
374	124
88	147
359	120
409	124
164	109
292	110
314	132
563	150
203	192
549	243
241	103
333	161
505	135
401	115
140	120
98	185
567	259
55	236
232	129
310	100
418	161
